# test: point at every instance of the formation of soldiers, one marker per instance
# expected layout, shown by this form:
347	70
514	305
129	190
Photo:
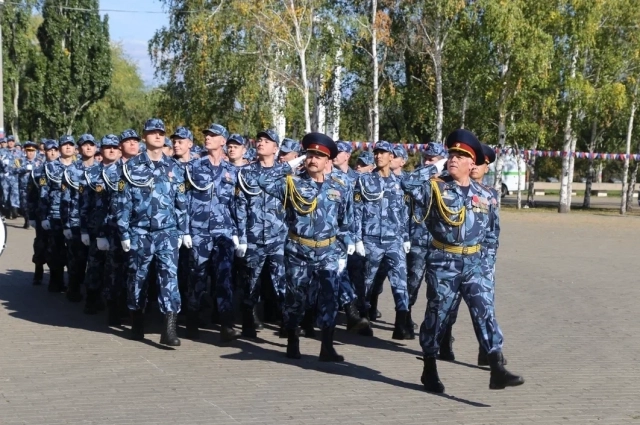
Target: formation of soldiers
290	215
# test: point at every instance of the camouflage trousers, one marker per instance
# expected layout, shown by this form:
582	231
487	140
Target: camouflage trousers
346	291
161	246
10	192
24	200
184	257
211	255
256	259
355	272
115	268
56	246
388	255
469	276
76	259
96	260
453	316
311	280
40	245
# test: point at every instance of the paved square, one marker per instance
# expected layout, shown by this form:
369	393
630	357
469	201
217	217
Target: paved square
568	294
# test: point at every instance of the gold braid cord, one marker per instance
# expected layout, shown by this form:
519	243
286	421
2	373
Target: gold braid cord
413	206
301	205
445	212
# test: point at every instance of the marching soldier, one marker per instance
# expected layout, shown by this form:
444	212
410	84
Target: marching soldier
23	170
236	149
152	222
213	232
381	218
117	151
10	161
74	184
319	211
459	222
51	191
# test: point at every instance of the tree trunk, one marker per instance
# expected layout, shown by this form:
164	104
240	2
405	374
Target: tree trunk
277	103
335	101
586	203
532	178
565	185
375	109
599	172
502	137
625	170
519	189
465	104
437	67
305	91
15	126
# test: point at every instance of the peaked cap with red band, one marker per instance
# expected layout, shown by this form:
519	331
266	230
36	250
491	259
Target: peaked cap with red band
319	142
464	141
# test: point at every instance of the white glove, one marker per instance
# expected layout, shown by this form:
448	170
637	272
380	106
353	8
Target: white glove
241	250
29	167
5	162
32	223
440	164
187	242
351	249
236	241
360	249
45	225
85	239
406	246
68	234
103	244
295	162
126	245
342	263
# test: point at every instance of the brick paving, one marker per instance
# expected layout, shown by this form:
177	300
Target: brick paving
567	301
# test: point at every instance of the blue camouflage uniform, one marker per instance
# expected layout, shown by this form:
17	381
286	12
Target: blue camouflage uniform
23	171
212	226
151	214
52	188
9	162
381	216
33	200
262	227
456	263
75	181
312	272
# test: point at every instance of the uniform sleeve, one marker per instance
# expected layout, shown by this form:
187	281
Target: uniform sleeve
182	219
273	181
418	186
85	198
44	202
345	218
121	204
73	204
241	212
493	232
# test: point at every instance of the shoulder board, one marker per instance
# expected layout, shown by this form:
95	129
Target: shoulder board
337	180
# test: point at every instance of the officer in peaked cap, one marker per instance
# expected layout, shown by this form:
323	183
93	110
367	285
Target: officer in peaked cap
460	261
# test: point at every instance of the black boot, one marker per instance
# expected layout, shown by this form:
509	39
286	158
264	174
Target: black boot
248	322
483	357
282	332
227	333
74	294
374	314
501	377
400	329
256	319
307	324
354	321
409	326
56	280
193	330
91	306
327	351
430	378
293	344
169	336
410	321
446	346
137	325
26	224
38	274
14	213
367	330
113	313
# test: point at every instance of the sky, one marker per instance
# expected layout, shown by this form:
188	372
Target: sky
134	30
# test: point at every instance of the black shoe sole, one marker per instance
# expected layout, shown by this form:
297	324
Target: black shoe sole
503	385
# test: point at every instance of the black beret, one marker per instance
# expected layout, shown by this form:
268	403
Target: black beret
320	143
462	140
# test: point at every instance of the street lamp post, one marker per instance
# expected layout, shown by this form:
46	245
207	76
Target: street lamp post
1	81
